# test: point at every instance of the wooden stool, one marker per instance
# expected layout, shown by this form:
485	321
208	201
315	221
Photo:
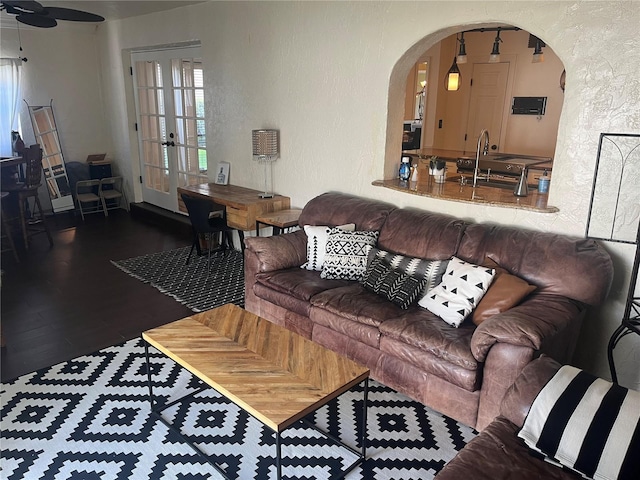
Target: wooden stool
28	189
6	232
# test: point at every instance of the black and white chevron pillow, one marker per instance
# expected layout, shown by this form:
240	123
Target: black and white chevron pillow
431	270
394	285
586	424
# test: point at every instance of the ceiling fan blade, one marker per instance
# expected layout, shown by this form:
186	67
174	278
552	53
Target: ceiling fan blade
36	20
71	15
24	6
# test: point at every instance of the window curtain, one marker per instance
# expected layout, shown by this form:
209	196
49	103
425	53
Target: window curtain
9	101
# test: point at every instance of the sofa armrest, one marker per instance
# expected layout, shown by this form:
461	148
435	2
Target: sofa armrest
519	397
544	323
278	252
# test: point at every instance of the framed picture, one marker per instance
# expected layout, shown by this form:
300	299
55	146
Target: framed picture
222	173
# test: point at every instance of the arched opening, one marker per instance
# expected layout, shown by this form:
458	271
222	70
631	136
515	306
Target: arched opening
517	97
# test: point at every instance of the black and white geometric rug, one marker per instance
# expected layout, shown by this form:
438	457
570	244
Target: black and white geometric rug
191	284
90	419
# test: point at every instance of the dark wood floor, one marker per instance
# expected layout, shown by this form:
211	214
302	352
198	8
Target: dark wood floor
69	300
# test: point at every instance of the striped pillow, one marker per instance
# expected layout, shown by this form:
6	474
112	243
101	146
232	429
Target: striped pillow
586	424
431	270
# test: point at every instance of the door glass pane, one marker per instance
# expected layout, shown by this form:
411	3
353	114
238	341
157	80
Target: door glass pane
176	76
190	126
177	100
187	70
182	159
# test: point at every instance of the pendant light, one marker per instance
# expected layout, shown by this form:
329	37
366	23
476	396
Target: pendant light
452	79
495	53
462	53
538	56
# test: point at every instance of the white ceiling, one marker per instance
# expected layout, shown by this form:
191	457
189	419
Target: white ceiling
114	10
110	10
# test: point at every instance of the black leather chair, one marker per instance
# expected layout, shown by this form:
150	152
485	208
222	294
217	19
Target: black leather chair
204	223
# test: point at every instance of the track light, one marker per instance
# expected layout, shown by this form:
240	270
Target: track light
462	53
452	79
538	56
495	52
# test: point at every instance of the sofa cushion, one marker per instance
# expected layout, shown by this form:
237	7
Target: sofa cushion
394	285
342	309
282	299
425	331
556	264
587	424
416	232
462	287
506	291
335	208
299	283
317	237
347	254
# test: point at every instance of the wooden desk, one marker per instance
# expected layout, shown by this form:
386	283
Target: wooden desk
243	205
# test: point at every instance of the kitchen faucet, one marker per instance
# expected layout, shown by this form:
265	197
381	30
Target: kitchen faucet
484	134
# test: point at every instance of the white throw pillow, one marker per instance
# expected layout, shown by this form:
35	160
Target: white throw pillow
317	236
463	285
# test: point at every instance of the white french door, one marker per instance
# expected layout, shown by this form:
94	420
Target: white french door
169	94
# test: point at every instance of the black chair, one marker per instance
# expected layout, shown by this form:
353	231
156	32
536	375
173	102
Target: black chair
204	223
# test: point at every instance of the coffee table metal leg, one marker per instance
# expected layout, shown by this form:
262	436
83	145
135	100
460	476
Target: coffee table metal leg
146	356
363	435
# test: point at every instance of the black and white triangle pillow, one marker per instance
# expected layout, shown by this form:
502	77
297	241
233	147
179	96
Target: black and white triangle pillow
463	286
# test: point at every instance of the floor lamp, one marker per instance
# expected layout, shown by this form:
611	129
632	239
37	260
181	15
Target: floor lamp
265	150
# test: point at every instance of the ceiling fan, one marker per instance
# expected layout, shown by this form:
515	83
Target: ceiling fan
34	14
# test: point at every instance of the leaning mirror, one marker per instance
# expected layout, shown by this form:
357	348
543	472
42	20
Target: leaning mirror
46	134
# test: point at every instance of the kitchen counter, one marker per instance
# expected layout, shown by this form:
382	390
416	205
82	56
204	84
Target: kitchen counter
452	190
453	155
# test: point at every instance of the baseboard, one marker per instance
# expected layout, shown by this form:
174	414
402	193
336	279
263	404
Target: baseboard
147	213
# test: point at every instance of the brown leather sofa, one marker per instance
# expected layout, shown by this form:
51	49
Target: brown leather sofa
461	372
498	453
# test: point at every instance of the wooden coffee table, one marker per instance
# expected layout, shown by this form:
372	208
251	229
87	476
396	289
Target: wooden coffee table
273	374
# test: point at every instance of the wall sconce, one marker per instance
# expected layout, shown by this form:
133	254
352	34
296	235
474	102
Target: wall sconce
266	149
495	53
462	53
452	79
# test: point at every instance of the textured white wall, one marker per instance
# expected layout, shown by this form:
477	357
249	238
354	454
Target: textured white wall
331	75
62	66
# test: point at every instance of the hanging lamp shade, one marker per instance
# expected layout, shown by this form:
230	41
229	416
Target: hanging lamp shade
462	53
453	77
538	56
495	52
266	149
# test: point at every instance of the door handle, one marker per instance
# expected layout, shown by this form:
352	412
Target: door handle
494	147
169	144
